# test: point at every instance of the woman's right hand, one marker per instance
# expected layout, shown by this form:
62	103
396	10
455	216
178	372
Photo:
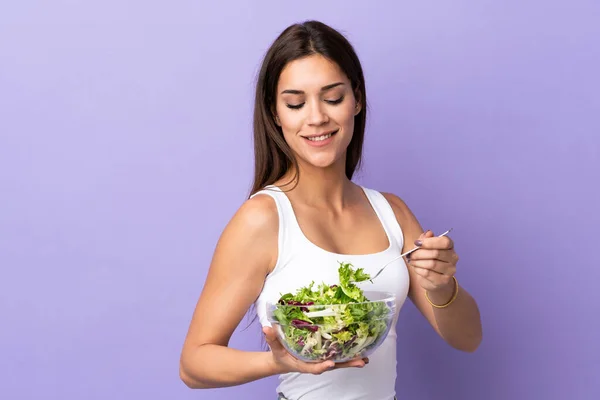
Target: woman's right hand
285	362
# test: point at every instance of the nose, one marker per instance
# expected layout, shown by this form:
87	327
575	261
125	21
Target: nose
316	115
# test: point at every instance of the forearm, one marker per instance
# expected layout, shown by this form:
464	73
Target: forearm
212	366
459	323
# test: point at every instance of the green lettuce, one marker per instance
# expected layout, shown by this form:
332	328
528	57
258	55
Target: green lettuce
356	323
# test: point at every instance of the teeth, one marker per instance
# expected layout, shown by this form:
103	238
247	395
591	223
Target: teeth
319	138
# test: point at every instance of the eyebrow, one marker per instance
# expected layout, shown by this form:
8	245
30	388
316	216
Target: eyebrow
323	89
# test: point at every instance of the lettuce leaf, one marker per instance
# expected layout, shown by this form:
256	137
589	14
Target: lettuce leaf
355	325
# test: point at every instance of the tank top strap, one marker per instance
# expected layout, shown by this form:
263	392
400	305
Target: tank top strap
289	230
284	205
386	215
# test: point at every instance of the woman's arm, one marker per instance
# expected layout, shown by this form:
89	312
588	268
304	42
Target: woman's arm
245	254
459	324
234	281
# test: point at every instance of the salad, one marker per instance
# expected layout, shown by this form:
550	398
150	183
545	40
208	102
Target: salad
332	321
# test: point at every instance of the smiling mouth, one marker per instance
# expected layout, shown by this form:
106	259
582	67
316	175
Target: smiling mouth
321	138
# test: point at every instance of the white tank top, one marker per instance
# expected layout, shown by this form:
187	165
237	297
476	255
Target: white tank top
299	262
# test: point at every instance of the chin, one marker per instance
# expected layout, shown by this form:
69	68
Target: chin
324	157
323	161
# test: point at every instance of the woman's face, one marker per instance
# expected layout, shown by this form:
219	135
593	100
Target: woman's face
315	109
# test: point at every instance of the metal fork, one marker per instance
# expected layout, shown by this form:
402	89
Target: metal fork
403	255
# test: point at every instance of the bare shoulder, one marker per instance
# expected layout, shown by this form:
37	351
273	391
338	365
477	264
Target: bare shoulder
258	215
405	217
401	209
255	222
396	202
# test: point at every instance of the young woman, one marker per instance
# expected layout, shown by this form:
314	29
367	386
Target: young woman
305	214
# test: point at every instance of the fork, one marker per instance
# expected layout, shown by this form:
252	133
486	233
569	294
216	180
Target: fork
403	255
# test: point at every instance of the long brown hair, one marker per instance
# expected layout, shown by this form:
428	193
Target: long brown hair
272	156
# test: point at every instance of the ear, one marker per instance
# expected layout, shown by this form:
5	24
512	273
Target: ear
358	99
357	109
275	116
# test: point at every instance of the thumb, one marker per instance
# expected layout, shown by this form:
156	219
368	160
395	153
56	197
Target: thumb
271	337
427	234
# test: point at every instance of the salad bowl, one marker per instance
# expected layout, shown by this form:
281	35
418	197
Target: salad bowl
333	322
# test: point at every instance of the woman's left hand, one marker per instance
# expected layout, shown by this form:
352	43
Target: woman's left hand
434	262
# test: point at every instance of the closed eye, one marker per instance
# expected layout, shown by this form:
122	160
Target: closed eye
332	102
338	101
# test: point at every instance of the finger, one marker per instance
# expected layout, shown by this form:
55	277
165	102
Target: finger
430	280
356	363
271	338
441	267
426	273
313	368
419	242
441	243
319	368
433	279
432	254
330	365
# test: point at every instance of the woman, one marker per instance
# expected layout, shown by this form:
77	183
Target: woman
305	214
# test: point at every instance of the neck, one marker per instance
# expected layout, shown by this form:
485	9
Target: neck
320	187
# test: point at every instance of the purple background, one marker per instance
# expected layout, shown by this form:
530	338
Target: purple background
125	148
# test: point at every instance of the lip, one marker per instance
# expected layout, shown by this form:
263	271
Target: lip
320	143
320	134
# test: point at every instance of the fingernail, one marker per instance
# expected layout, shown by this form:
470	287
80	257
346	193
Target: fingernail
418	243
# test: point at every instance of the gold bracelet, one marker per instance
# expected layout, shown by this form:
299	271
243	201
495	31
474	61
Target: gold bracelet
454	295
